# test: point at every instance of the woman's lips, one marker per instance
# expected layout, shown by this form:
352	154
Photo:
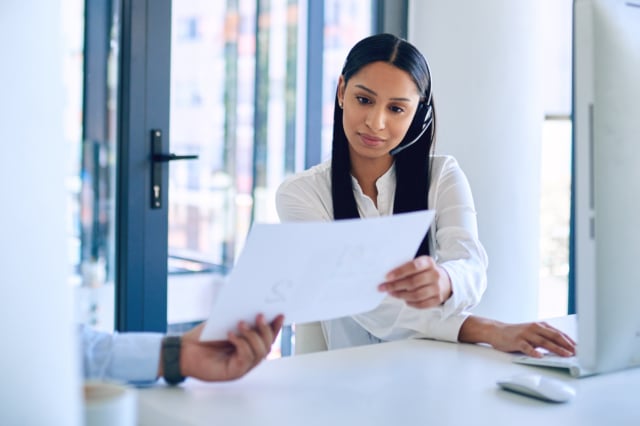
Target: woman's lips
370	140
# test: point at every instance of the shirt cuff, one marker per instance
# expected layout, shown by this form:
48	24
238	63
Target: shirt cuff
135	357
467	287
448	328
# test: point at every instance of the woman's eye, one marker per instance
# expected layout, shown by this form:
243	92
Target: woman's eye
363	100
396	109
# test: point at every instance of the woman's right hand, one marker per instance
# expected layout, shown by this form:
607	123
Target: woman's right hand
421	283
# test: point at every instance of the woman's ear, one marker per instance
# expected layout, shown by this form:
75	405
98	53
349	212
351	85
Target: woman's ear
340	92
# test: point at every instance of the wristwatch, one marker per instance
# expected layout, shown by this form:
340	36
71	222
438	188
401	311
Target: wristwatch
171	360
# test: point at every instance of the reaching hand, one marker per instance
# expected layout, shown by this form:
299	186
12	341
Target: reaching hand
421	283
527	337
524	337
229	359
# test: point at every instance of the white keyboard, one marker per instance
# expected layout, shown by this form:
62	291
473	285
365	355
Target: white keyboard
551	360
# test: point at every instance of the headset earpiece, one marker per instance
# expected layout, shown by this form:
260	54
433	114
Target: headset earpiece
420	123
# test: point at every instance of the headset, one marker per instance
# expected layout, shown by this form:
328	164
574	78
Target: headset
420	123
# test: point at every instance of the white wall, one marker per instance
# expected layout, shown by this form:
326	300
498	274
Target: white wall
40	366
486	85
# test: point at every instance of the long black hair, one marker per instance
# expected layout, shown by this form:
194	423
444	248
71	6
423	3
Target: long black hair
412	162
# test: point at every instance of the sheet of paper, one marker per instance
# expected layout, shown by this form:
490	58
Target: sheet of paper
312	271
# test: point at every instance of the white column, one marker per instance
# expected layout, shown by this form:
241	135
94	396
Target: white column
486	83
40	365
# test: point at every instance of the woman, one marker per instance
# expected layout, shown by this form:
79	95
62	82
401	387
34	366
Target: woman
382	163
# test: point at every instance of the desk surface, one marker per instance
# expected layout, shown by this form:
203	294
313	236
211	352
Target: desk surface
416	382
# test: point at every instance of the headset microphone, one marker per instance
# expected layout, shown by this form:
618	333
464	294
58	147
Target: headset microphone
421	122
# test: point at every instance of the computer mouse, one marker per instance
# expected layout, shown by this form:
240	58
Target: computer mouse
538	386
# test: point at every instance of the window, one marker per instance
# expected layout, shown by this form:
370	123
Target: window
556	161
90	133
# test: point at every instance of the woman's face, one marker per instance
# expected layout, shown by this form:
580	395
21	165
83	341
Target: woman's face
379	103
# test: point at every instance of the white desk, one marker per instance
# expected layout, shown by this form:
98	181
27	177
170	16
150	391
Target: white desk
400	383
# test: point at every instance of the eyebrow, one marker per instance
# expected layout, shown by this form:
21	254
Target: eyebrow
366	89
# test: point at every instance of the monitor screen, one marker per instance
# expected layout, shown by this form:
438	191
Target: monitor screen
606	185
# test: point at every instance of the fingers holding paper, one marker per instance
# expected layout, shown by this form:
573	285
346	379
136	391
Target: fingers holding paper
232	358
253	344
421	283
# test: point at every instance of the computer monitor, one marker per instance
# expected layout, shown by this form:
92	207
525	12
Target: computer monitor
606	184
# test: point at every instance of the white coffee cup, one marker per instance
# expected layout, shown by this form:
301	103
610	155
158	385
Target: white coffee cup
109	403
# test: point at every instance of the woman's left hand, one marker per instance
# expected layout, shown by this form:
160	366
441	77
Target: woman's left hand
421	283
523	337
527	337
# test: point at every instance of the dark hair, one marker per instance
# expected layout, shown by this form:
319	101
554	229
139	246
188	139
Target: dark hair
413	163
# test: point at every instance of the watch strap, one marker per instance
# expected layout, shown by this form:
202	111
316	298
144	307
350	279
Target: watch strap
171	360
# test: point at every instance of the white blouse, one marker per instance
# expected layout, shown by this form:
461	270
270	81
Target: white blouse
454	245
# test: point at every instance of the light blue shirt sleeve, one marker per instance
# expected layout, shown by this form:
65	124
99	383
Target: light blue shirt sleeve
126	357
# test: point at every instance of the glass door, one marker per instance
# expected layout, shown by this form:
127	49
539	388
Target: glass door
117	91
228	88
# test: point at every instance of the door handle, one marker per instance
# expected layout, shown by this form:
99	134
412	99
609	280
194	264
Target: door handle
158	158
163	158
